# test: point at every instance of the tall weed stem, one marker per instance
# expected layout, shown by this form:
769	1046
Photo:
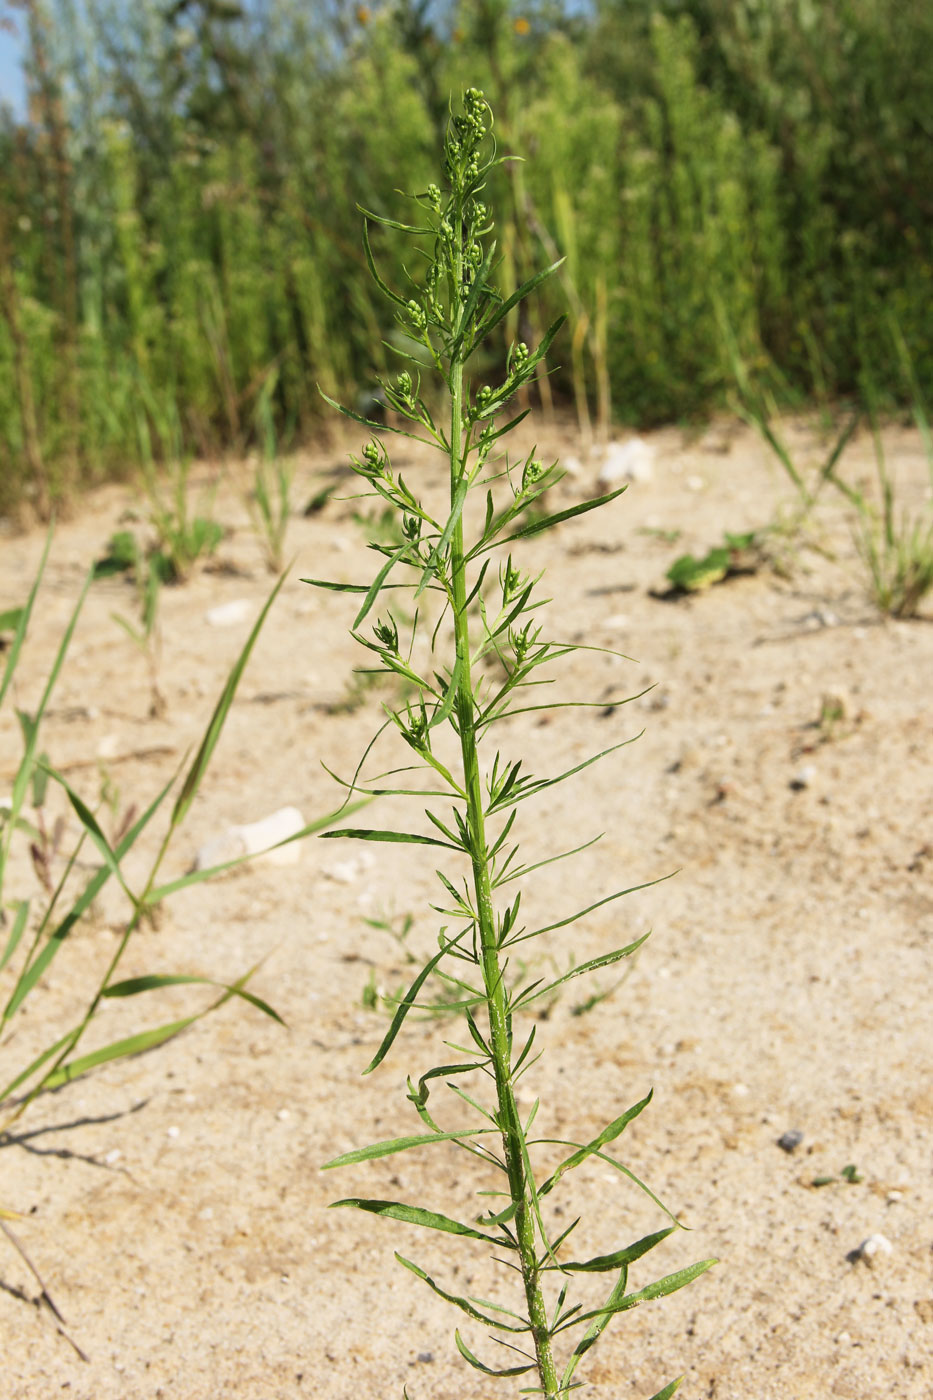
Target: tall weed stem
447	319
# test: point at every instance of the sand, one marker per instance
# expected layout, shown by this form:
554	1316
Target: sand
174	1204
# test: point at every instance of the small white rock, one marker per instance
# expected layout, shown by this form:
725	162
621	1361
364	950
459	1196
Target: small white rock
229	614
804	777
108	746
255	838
874	1245
112	1156
283	1115
173	1132
343	871
626	461
695	483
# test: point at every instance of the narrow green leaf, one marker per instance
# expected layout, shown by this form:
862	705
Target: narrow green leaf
407	1002
422	1095
23	622
119	1050
415	1215
393	223
572	918
132	986
463	1303
404	837
92	827
16	932
607	1263
608	1134
370	423
478	1365
214	729
660	1289
523	291
376	585
340	587
668	1390
604	960
390	1146
535	527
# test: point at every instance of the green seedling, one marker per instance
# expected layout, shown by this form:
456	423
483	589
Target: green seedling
449	761
849	1175
270	502
736	556
149	571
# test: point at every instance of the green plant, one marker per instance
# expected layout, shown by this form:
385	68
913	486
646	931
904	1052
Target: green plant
181	538
149	572
735	556
896	546
35	933
272	483
446	732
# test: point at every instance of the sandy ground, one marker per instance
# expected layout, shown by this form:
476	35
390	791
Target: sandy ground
174	1202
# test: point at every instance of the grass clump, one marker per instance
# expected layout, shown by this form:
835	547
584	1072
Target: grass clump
465	558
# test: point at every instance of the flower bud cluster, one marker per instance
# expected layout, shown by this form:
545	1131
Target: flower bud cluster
375	462
416	316
512	583
532	473
387	634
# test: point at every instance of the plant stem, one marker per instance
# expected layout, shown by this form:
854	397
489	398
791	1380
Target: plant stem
499	1032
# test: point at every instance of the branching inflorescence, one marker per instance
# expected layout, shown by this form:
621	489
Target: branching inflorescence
447	318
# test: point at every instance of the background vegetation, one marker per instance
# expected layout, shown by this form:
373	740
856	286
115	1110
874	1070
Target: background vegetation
739	187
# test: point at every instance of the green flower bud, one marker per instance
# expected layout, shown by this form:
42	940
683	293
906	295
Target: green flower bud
387	633
433	196
416	316
533	472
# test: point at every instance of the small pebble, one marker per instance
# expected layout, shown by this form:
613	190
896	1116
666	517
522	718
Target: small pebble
695	483
173	1132
253	839
874	1245
283	1115
425	1356
229	614
803	778
626	461
740	1091
790	1140
113	1156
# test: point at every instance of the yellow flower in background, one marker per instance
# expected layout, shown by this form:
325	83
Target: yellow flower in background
521	25
362	14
